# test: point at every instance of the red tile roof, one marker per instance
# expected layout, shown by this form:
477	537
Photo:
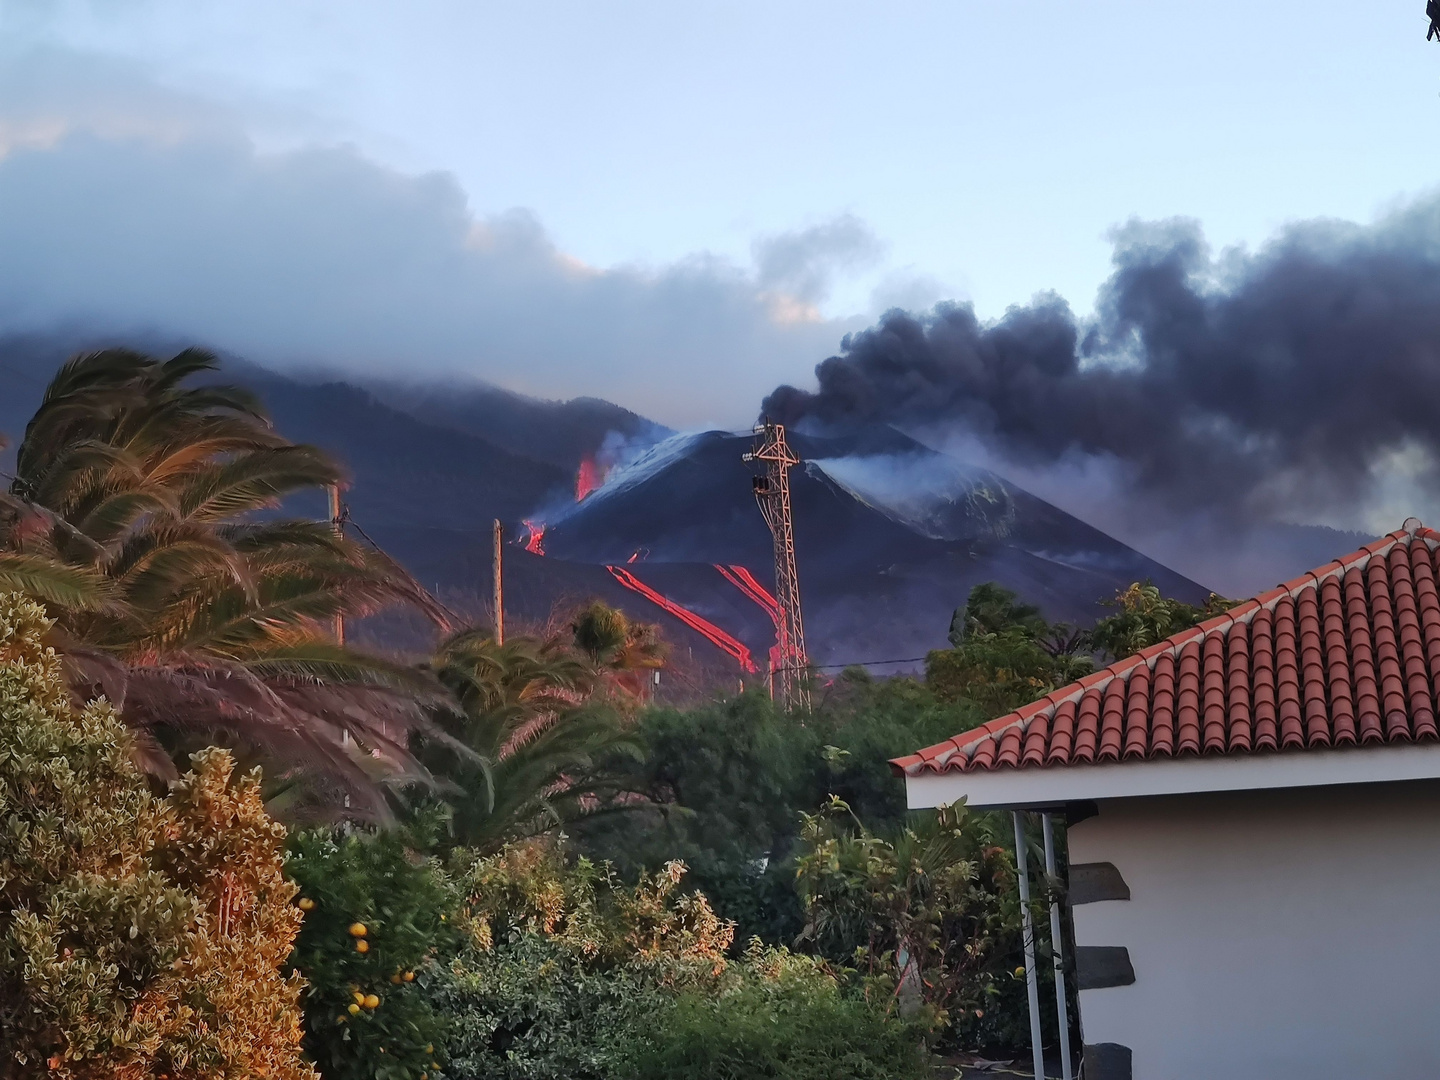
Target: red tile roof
1348	654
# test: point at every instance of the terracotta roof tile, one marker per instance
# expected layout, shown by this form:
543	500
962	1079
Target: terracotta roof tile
1346	654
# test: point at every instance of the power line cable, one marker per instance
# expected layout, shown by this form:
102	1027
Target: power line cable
346	519
21	375
855	663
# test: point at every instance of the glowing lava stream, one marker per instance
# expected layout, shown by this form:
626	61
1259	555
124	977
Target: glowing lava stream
745	581
535	542
590	477
709	630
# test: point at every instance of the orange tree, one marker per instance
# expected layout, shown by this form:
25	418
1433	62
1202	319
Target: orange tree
140	937
377	918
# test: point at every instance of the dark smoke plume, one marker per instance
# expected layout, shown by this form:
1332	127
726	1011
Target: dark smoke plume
1256	386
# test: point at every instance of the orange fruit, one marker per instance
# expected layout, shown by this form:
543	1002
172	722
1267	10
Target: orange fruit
372	1001
305	904
358	929
409	976
354	1010
362	946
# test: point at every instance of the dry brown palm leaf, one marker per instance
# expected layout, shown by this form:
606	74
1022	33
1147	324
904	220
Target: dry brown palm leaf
349	740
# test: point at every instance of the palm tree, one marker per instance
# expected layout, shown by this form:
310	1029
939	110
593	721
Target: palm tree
528	708
142	512
622	651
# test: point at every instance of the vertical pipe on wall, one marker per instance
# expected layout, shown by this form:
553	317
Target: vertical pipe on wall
1058	949
1032	984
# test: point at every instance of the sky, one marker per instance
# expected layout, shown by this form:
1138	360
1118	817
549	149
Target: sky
676	207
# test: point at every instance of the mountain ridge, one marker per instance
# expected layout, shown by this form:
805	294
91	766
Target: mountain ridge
890	533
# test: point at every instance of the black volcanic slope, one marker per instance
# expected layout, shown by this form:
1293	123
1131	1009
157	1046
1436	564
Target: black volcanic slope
406	472
882	566
890	535
559	433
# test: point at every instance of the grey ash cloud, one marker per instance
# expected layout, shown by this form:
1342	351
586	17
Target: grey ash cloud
1258	386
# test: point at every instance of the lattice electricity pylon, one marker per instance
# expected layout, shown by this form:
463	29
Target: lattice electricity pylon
772	492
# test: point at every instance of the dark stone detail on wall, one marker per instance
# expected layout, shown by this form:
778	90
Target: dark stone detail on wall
1099	966
1106	1061
1092	881
1076	812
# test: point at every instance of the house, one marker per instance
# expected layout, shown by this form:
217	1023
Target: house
1253	812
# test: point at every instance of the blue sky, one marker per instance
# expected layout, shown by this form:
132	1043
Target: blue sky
675	206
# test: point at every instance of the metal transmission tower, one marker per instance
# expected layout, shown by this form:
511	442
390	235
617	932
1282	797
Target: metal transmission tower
772	492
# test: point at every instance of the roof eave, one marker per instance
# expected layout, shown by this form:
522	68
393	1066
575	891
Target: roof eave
1190	775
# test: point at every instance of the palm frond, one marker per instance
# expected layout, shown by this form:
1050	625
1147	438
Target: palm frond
261	478
128	517
55	583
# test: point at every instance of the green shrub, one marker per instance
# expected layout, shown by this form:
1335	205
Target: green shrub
936	900
139	936
536	1009
864	722
368	1015
723	785
564	960
784	1016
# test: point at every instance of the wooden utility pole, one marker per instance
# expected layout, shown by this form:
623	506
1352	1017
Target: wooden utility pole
338	525
499	586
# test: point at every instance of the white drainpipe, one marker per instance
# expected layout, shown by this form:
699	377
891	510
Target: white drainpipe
1032	984
1058	949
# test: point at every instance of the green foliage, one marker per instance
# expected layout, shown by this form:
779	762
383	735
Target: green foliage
1145	618
863	722
925	916
535	1009
406	907
718	787
139	936
993	609
1005	655
136	513
564	960
537	734
623	650
782	1016
600	630
722	787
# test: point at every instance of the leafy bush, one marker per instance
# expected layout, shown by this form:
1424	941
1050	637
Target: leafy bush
724	785
564	960
721	786
784	1016
1004	654
930	917
139	936
864	722
377	918
535	1009
1144	617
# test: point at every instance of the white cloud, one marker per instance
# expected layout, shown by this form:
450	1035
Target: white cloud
135	208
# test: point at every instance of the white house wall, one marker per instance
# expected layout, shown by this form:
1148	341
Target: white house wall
1273	935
